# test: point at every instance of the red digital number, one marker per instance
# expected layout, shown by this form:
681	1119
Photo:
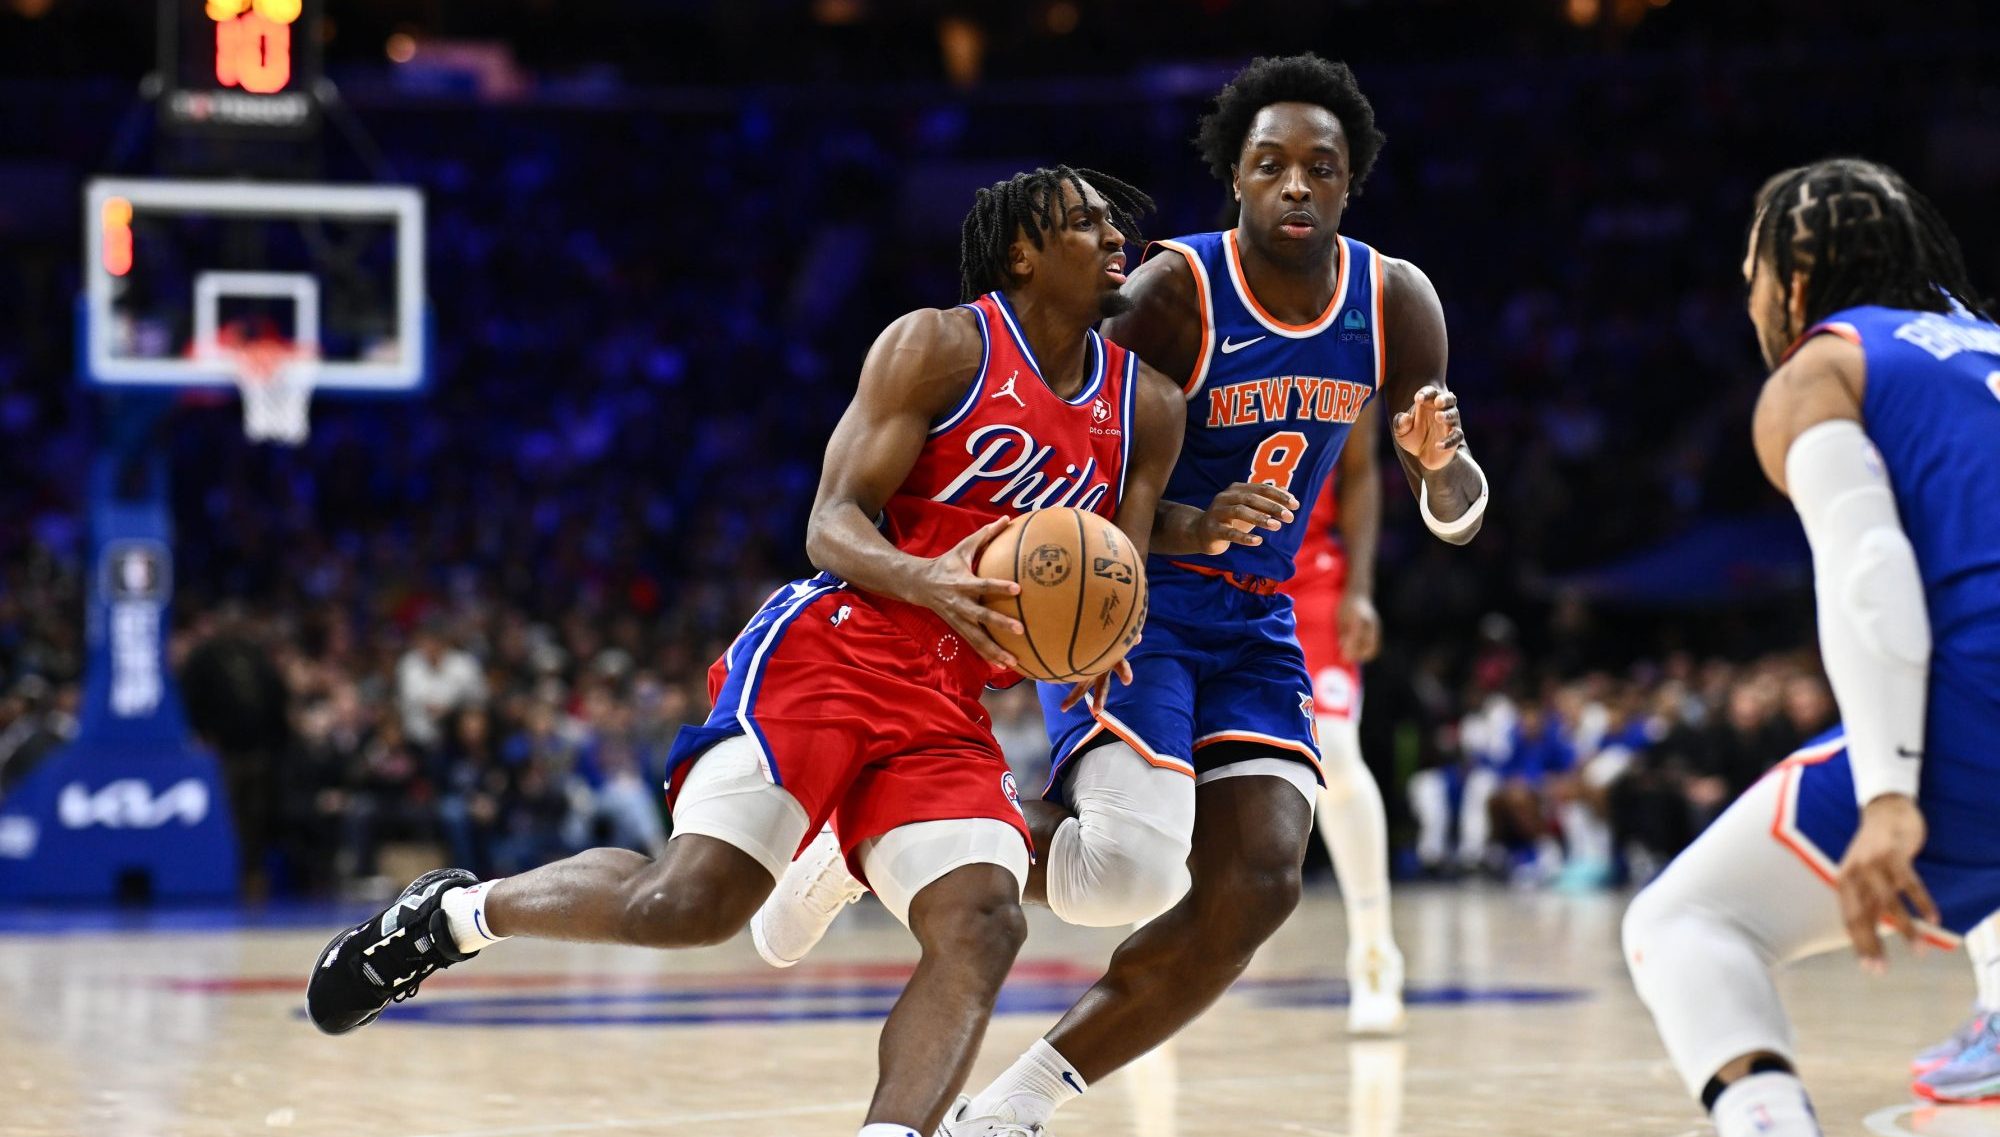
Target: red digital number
254	53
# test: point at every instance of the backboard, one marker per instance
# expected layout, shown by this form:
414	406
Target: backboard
177	271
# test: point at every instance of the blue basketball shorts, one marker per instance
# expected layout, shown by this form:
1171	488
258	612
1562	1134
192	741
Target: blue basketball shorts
1218	677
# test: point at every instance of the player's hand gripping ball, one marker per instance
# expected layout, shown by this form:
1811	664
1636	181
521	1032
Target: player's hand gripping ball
1083	593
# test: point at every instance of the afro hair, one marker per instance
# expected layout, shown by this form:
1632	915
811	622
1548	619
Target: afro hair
1290	79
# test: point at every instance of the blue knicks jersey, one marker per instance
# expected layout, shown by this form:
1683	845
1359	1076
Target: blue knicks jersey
1269	401
1932	408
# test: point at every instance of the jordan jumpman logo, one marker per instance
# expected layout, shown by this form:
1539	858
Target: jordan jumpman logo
1007	389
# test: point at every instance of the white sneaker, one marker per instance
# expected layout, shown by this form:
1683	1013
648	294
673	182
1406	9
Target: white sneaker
956	1124
1375	990
800	910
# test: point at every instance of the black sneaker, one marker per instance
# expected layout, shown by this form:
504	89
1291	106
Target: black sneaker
383	959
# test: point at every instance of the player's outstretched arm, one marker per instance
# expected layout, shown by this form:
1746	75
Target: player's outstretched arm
919	367
1874	628
1430	439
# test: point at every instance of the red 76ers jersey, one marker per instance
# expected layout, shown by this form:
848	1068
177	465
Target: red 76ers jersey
1012	445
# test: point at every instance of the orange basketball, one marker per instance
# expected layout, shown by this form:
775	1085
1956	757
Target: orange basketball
1083	592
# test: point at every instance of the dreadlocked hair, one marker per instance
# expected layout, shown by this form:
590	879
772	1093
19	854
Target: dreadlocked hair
1290	79
1860	235
1030	204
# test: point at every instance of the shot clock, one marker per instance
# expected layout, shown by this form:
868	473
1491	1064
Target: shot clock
240	68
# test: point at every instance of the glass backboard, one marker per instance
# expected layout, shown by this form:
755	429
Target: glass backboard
179	271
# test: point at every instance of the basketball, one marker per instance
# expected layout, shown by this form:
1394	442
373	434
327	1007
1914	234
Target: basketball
1083	592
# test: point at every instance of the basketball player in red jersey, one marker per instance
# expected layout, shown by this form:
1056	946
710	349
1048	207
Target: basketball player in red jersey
853	696
1262	306
1333	599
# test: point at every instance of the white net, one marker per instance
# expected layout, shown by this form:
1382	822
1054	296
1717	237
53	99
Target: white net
275	381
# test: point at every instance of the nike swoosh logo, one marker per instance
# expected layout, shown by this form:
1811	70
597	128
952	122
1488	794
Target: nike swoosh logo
1906	752
1229	348
1071	1079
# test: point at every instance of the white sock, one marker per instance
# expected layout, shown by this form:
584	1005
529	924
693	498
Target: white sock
1475	825
886	1129
465	915
1355	828
1431	802
1771	1104
1031	1090
1588	836
1982	946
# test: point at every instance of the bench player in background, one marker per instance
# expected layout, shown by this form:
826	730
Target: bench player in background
854	695
1879	421
1333	600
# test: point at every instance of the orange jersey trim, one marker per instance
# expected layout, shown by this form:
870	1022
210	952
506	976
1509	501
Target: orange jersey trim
1125	735
1785	830
1255	585
1311	755
1235	258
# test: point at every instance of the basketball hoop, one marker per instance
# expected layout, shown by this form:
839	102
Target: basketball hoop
275	380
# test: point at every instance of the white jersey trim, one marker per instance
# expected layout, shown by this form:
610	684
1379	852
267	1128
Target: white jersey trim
978	385
1125	404
1090	386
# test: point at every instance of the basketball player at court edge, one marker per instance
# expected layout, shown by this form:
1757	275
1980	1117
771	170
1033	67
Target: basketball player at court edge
854	695
1279	332
1878	420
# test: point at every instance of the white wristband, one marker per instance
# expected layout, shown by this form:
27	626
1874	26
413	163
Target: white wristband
1462	522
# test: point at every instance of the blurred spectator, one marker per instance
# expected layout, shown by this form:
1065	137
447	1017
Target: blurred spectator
620	776
474	793
35	720
435	680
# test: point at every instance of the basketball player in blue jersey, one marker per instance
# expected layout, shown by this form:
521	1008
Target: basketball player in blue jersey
1879	421
1200	777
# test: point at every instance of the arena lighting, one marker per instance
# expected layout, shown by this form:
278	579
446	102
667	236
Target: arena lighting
254	53
117	248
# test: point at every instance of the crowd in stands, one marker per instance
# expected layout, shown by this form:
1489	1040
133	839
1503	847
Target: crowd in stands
1603	777
491	610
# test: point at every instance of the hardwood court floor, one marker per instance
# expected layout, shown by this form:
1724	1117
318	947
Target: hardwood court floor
1523	1024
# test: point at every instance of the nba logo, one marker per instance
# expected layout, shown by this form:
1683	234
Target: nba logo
1012	790
136	571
